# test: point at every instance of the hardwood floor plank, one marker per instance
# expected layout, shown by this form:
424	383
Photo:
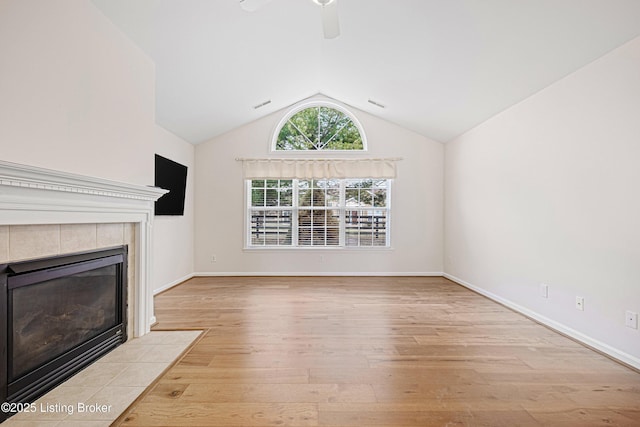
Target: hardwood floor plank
199	375
462	395
392	376
426	414
283	393
478	363
374	351
224	414
586	417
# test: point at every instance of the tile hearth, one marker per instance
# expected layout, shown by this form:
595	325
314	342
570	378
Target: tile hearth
99	394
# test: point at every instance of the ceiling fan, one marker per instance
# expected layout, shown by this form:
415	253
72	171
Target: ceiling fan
330	23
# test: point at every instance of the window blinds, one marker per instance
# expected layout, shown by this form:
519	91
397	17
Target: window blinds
318	168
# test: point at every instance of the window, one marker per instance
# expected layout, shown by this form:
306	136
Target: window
318	212
319	126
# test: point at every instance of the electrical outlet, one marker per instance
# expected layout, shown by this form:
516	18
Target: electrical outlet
544	290
580	303
631	319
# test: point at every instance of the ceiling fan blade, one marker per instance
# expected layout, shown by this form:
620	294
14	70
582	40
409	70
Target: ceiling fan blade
330	23
252	5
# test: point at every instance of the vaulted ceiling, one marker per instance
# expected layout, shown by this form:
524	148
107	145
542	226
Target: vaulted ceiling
439	67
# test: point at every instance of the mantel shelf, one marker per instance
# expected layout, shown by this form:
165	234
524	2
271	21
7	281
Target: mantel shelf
16	175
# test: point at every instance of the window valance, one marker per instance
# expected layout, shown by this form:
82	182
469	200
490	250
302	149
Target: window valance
318	168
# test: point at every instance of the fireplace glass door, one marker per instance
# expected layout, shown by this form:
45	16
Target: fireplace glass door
52	317
58	315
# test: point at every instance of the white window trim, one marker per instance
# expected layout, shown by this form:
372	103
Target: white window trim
294	243
311	104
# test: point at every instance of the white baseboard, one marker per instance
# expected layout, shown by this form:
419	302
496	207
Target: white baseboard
612	352
172	284
316	273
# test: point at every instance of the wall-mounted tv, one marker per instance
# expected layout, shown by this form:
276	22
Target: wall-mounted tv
171	176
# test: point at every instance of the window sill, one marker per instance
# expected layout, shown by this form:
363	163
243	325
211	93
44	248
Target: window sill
320	249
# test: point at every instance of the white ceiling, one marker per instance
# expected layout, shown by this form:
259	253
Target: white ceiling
439	66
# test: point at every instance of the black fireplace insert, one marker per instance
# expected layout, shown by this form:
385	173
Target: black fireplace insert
58	315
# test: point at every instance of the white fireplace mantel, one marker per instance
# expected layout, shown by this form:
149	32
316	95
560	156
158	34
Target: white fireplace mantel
32	195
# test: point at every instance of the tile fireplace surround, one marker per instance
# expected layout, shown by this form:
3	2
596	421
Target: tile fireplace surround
45	212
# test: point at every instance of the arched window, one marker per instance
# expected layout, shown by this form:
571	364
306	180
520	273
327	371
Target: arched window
319	126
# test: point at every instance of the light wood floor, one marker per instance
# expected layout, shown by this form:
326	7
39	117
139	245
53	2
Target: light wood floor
407	351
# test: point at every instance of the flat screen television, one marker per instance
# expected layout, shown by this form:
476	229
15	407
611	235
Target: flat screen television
171	176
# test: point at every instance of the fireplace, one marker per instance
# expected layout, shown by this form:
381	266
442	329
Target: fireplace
47	202
44	212
58	315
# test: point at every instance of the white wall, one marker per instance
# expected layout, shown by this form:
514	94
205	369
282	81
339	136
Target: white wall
416	223
173	235
75	94
547	191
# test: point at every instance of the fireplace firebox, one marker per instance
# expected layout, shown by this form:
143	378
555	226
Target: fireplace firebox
58	315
